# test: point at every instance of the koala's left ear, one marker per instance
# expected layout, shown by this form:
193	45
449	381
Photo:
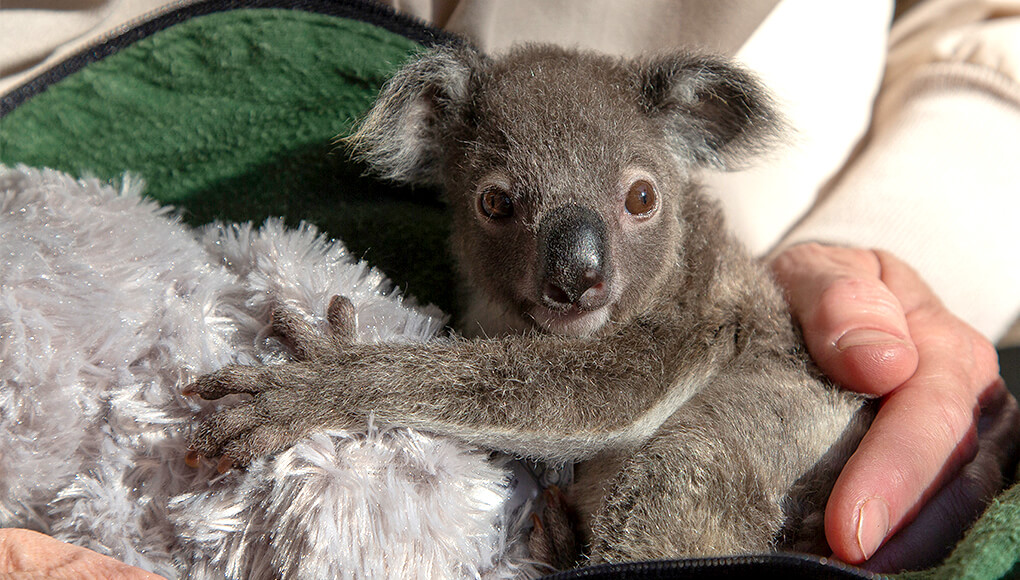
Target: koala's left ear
713	112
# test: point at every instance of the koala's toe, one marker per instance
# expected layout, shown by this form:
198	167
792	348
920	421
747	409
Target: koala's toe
303	339
553	539
258	442
230	380
343	320
216	431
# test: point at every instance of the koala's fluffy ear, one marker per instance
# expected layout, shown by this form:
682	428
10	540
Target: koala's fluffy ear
713	112
400	138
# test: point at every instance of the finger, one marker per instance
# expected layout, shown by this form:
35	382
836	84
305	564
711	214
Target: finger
902	460
936	529
853	325
924	432
26	554
343	320
230	380
942	521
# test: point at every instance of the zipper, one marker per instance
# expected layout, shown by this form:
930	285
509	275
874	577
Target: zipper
787	566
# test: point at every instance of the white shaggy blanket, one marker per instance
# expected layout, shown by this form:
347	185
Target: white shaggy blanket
109	306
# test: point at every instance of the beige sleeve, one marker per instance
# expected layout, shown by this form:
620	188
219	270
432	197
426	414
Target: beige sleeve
35	39
610	26
937	181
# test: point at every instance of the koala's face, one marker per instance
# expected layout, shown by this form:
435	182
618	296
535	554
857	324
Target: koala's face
566	172
565	194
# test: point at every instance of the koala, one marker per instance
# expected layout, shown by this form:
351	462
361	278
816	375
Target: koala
613	321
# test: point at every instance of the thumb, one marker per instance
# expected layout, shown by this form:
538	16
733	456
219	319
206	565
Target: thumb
853	325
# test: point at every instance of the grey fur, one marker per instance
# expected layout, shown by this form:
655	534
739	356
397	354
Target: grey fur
677	378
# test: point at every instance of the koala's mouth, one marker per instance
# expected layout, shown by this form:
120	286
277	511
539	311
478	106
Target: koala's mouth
571	321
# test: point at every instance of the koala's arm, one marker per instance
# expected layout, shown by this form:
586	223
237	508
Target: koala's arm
541	396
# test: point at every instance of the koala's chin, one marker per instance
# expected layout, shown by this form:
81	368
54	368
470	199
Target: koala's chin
489	318
573	322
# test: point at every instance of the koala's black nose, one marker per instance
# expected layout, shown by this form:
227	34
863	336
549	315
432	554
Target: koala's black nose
572	245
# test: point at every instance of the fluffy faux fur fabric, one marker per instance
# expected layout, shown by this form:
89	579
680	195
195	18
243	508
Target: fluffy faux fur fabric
109	306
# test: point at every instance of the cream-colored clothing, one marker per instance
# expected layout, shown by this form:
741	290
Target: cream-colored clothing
930	173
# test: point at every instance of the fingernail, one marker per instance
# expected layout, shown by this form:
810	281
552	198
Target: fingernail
188	391
866	337
192	458
872	526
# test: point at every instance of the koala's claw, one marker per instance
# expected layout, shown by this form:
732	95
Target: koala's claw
305	341
224	464
553	539
192	458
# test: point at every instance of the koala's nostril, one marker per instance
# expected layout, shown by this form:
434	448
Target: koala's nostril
590	277
555	294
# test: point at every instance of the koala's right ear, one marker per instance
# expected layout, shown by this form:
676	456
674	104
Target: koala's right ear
713	112
400	138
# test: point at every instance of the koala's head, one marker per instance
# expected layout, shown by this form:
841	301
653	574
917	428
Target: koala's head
566	172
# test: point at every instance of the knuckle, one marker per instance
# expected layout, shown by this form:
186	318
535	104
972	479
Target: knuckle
847	298
808	258
954	418
986	358
975	362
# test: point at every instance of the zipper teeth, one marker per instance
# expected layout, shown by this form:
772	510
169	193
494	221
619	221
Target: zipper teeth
790	563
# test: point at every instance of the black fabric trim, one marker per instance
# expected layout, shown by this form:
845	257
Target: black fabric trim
361	10
782	566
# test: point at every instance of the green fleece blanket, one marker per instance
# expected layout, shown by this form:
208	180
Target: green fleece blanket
232	114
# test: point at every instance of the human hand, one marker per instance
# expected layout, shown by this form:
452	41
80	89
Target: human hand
27	555
946	428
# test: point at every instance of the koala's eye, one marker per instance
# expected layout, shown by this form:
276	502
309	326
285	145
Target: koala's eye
640	198
496	203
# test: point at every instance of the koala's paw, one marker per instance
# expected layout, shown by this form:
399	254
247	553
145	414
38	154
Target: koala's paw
553	540
306	342
277	415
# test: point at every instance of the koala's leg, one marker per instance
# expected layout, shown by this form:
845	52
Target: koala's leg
554	535
676	497
725	474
